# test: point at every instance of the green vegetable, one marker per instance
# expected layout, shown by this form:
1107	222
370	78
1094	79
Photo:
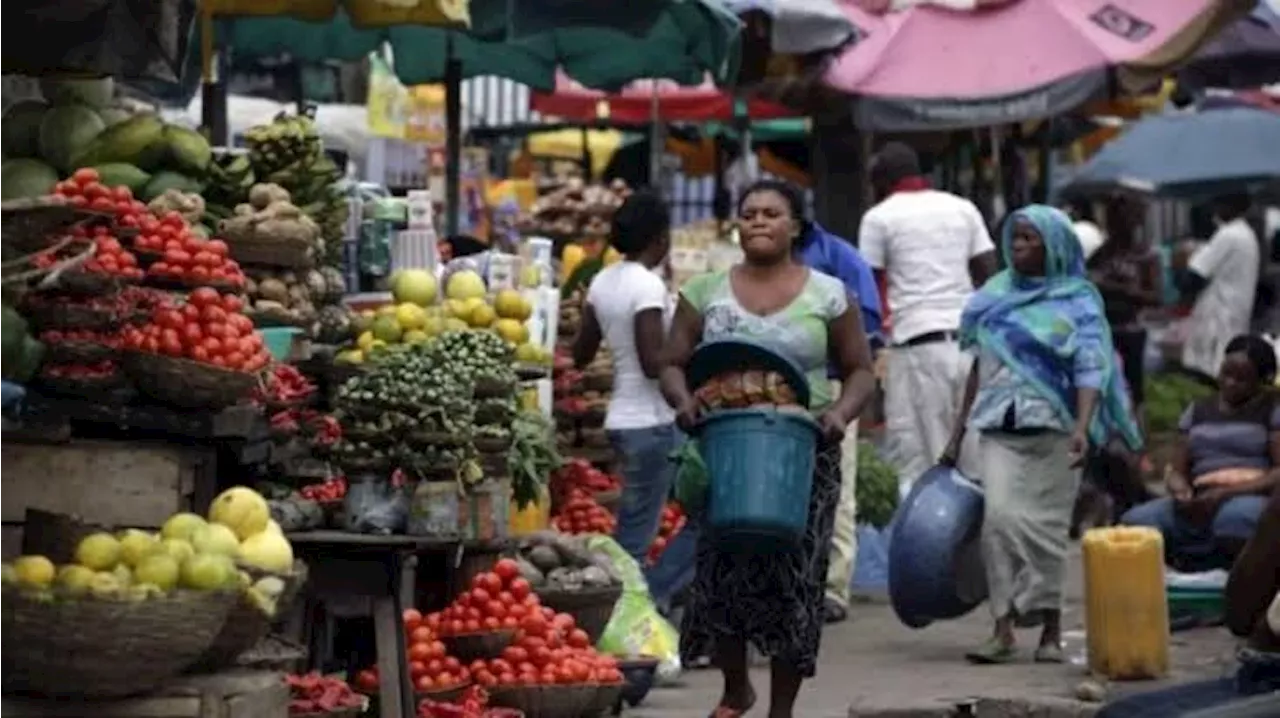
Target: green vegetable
1168	395
877	487
533	456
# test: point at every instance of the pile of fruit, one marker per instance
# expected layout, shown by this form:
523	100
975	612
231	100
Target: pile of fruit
285	297
576	209
313	693
182	258
79	124
284	385
743	389
417	314
581	475
673	519
328	491
549	649
582	399
497	600
582	514
209	328
558	562
474	703
188	553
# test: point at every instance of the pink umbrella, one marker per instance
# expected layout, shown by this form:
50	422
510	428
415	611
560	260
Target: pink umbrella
928	65
634	104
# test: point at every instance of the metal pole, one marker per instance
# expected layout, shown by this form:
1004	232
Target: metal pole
453	139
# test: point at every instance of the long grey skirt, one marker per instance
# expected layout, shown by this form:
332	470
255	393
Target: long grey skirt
1030	491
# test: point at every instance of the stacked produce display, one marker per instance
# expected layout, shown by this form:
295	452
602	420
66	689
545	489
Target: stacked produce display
575	210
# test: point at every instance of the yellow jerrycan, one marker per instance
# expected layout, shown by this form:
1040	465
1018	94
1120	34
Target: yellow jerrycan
1126	613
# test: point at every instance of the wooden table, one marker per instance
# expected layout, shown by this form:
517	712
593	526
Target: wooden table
352	565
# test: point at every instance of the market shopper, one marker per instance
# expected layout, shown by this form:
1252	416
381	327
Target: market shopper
1220	281
821	250
776	602
1227	461
1043	387
933	248
628	307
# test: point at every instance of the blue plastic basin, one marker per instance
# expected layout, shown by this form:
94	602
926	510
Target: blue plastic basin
279	341
760	463
935	561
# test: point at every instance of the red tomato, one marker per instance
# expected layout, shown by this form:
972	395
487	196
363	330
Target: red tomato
419	634
367	680
85	175
506	569
487	580
420	652
519	588
207	297
416	669
425	684
479	597
232	303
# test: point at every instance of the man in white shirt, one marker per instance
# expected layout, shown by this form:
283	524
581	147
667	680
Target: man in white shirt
933	248
1221	278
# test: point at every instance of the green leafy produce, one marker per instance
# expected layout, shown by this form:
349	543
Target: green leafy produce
533	456
1168	395
877	487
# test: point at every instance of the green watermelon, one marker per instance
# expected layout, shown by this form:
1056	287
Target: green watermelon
20	128
23	178
66	132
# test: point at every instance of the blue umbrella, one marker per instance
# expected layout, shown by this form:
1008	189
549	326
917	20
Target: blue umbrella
1187	154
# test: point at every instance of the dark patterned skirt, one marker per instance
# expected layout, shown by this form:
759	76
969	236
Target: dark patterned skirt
774	601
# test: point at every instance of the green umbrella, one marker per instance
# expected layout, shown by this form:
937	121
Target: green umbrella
682	40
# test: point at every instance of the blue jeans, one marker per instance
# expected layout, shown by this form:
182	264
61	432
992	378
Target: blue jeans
1193	547
647	473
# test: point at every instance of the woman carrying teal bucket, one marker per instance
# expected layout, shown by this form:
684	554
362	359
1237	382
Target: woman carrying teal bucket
1045	387
774	602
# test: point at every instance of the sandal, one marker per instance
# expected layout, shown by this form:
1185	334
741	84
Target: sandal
723	711
993	652
833	612
1049	653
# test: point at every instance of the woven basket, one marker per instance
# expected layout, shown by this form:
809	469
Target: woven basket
69	316
246	625
469	647
606	697
103	649
78	352
445	695
546	701
113	390
274	653
182	285
294	255
492	444
591	608
186	383
89	283
29	222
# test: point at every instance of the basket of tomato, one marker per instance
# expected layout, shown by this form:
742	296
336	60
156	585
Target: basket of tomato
482	621
103	380
204	354
180	259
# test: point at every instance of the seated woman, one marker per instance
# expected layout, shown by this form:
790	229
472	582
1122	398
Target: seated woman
1227	461
1252	611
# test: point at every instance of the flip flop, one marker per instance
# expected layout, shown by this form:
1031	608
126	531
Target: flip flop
833	612
723	711
1050	653
991	653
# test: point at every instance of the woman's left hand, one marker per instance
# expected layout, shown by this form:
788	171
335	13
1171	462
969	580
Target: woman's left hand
1078	448
832	426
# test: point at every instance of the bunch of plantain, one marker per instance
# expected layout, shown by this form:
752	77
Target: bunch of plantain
230	176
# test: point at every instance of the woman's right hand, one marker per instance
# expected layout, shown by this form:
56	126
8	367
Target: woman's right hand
951	454
1179	487
688	413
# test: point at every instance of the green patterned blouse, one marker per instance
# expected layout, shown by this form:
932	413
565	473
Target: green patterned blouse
797	331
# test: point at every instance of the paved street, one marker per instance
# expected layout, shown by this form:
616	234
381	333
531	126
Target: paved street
873	664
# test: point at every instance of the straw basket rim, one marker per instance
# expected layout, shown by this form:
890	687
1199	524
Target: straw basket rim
189	383
482	644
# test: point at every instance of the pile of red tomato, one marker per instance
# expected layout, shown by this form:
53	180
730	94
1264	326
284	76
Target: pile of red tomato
578	473
110	258
184	257
209	328
549	649
84	189
497	600
431	668
474	703
582	514
673	519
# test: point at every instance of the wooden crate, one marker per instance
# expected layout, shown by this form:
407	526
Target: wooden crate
111	483
234	694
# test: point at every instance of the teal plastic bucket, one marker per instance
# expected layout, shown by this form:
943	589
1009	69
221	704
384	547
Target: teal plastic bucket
279	341
760	463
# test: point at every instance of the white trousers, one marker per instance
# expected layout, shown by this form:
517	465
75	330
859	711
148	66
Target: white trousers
844	537
924	386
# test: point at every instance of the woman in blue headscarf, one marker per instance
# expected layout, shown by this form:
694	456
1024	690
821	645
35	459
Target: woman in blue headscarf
1045	387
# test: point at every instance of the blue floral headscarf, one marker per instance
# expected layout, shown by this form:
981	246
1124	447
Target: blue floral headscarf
1051	330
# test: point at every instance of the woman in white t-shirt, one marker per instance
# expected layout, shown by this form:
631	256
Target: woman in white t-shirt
628	307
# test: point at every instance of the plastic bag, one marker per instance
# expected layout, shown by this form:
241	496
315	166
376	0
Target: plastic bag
374	506
692	480
636	628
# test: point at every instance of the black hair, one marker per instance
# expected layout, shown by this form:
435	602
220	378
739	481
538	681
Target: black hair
1260	352
642	220
795	200
895	161
464	245
1232	206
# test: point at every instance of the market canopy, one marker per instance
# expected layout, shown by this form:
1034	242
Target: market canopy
681	40
927	67
1187	154
640	101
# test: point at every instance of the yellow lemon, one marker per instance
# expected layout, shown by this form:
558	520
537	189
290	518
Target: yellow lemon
34	571
100	552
